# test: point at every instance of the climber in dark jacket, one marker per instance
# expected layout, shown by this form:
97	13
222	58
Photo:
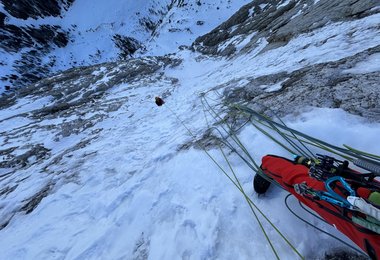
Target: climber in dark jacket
159	101
289	174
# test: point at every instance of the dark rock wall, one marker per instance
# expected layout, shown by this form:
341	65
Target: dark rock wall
25	9
2	19
127	45
14	38
31	42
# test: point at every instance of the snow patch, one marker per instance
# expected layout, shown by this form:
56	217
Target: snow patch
274	87
297	14
262	6
100	71
372	64
284	3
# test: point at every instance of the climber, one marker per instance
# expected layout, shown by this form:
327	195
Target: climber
159	101
329	193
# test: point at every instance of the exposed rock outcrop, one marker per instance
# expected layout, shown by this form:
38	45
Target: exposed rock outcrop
31	43
15	38
25	9
332	84
127	45
278	21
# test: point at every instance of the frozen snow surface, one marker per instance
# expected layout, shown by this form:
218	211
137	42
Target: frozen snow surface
131	193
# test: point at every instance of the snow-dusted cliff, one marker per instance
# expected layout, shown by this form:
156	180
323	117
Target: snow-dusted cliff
39	38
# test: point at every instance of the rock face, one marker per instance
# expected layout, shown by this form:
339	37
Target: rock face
16	38
332	84
127	45
279	21
31	43
25	9
37	43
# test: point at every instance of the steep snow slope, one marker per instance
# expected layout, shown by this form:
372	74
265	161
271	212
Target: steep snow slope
91	168
161	26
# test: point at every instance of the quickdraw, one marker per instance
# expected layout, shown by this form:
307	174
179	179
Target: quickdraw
335	173
329	196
